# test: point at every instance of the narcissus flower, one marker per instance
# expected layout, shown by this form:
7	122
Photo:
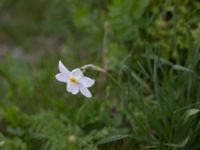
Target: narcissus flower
75	80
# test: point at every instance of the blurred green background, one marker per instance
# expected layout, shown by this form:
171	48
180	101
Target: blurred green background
148	100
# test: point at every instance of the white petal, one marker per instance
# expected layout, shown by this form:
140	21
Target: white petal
74	89
85	91
77	72
61	77
69	87
63	69
87	82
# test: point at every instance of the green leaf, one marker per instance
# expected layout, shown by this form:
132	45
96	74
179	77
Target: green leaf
139	80
181	144
181	68
139	7
190	113
112	138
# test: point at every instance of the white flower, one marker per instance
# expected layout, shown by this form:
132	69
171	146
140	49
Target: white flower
75	80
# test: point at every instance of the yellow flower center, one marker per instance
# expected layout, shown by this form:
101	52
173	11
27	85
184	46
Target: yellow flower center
73	80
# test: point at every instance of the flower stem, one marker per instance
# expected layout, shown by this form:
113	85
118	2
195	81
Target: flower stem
97	68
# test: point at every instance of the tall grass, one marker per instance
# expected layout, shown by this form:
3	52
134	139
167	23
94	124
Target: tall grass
162	100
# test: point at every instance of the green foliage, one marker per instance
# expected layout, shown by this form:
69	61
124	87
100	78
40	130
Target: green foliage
12	143
149	99
125	17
